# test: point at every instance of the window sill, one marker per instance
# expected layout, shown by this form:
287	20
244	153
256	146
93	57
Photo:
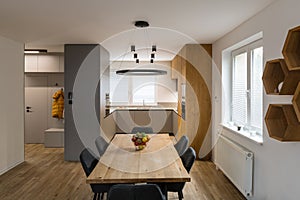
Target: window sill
254	138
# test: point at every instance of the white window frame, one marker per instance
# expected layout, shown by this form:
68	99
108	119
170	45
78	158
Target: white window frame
247	48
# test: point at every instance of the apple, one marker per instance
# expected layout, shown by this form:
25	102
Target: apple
145	139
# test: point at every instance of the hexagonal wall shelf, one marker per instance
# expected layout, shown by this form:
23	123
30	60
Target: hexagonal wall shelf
282	123
291	49
275	72
296	102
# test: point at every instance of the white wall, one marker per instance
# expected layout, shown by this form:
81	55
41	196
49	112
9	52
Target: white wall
276	164
11	104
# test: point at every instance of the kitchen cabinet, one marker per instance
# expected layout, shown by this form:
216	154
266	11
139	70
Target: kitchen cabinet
83	105
31	63
160	120
61	63
48	63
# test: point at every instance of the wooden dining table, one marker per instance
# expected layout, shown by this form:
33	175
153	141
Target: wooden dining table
158	162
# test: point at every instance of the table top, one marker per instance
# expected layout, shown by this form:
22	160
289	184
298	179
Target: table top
121	163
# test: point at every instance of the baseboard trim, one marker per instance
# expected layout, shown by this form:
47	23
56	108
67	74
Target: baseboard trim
2	171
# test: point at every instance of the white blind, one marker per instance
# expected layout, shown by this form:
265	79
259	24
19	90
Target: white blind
239	89
118	88
256	87
143	89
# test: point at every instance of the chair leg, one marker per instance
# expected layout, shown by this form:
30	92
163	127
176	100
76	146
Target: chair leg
95	196
180	195
102	195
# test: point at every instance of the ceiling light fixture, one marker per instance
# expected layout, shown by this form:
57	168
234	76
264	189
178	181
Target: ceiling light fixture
141	72
132	48
153	48
143	24
35	51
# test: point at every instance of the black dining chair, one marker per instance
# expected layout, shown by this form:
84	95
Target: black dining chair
101	145
182	145
135	192
141	129
89	161
188	159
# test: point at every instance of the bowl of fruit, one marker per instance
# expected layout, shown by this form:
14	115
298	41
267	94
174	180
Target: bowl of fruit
140	140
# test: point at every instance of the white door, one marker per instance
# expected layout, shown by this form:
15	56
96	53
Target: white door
35	108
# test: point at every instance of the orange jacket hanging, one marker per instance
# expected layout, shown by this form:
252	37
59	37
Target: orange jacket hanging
58	104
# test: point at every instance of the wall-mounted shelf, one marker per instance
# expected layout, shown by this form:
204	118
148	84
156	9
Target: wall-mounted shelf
296	102
291	49
275	72
282	123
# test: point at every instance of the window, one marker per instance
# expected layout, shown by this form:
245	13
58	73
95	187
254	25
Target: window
132	89
143	90
247	88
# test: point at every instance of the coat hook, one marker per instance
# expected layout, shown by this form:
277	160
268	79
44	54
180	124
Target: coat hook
56	84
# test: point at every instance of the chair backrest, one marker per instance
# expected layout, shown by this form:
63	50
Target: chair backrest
182	145
140	129
101	145
88	161
135	192
188	158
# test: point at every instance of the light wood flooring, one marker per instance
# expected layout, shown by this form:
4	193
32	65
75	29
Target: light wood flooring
45	175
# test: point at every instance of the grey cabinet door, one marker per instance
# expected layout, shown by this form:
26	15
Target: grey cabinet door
82	73
35	108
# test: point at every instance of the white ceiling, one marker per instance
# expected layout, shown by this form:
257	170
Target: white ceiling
40	23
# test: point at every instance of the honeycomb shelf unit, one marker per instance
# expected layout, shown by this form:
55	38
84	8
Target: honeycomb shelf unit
282	122
291	49
296	102
276	72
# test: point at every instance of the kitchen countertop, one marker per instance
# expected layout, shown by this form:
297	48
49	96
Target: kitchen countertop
139	108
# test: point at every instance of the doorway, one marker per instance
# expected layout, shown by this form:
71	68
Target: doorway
39	89
35	108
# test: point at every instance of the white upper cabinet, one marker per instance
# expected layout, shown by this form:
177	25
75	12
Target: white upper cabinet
31	63
44	63
61	63
48	63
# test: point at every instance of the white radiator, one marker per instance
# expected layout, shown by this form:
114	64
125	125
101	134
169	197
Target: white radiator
236	162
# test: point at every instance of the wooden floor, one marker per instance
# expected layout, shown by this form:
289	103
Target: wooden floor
45	175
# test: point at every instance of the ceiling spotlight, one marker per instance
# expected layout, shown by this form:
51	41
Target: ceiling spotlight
132	48
153	48
141	24
152	55
151	61
137	61
135	55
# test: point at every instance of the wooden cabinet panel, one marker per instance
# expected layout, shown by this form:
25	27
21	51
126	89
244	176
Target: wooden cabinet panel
174	66
31	63
48	63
